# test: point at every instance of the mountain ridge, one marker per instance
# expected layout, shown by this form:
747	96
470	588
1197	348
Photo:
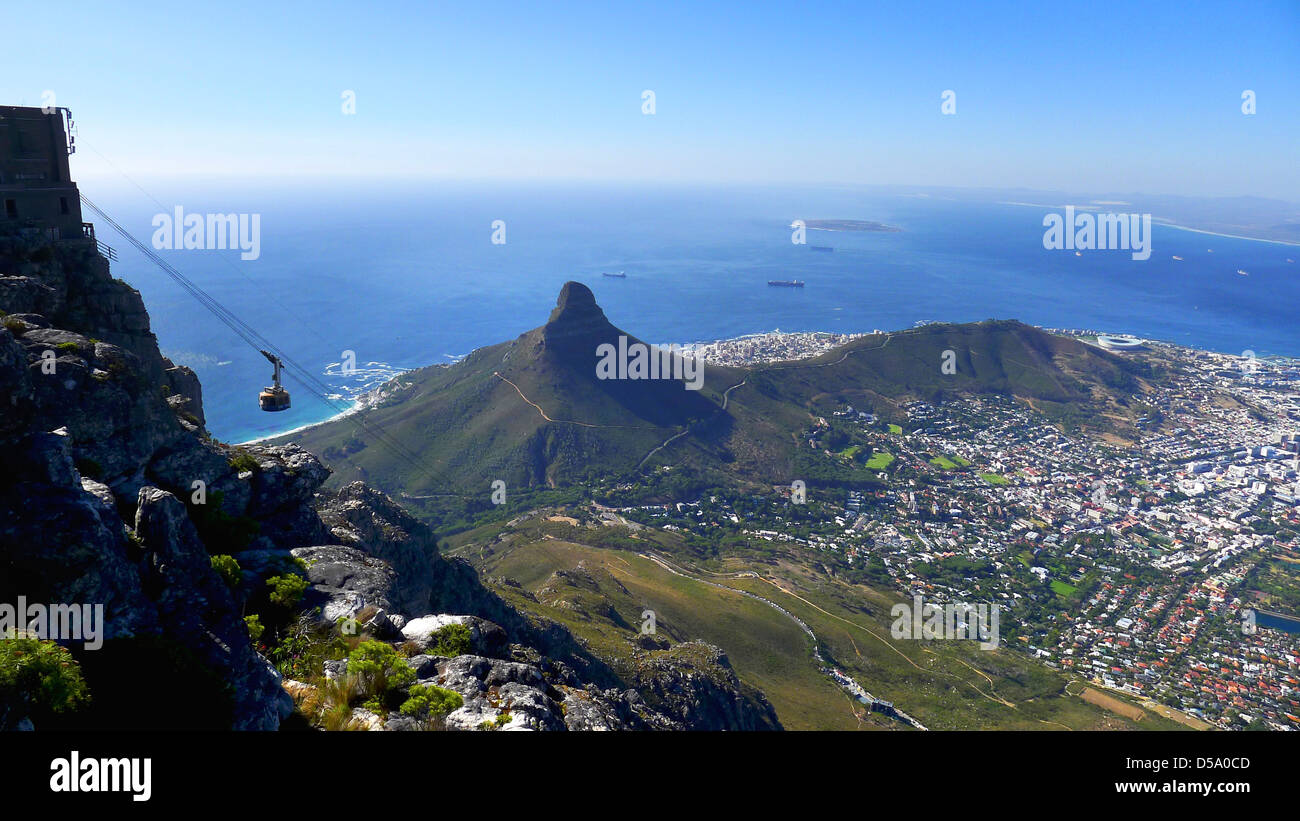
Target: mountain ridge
533	412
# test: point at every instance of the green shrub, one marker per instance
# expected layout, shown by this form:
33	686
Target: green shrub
450	640
255	628
378	660
430	701
301	650
348	626
40	675
242	461
381	672
287	590
228	569
496	724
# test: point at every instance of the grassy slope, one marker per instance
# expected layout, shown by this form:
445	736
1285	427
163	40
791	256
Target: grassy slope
946	685
767	650
603	591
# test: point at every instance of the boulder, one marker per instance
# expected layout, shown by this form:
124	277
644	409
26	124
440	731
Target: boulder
287	477
344	581
486	638
471	675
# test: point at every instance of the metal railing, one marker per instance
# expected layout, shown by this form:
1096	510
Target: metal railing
105	250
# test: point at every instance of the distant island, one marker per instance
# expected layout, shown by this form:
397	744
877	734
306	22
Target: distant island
849	225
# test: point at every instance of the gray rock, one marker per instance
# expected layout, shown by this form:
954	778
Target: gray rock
196	608
584	712
26	294
29	320
381	625
186	461
475	712
529	708
363	719
471	675
486	638
424	666
368	520
400	723
288	477
184	385
335	668
345	580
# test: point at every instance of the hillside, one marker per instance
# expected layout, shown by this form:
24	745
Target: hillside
597	575
530	412
534	413
225	589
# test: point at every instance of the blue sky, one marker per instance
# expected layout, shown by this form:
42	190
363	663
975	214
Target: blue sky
1132	98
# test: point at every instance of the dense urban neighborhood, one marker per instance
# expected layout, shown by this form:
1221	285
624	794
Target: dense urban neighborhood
1163	565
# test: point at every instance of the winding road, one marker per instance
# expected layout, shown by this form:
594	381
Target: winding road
836	675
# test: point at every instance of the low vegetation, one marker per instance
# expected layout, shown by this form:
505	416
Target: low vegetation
37	679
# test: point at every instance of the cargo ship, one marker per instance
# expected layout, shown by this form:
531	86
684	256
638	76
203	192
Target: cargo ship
619	275
786	283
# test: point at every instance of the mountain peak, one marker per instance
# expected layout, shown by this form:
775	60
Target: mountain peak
575	298
577	316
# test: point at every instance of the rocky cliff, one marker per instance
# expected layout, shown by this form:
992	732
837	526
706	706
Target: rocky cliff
113	493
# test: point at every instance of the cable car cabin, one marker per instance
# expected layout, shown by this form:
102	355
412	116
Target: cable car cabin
274	398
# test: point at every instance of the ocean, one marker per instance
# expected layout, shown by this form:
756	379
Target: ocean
404	276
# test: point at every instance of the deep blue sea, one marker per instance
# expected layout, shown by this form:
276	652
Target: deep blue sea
407	275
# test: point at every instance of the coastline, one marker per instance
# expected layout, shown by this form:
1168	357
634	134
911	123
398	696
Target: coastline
370	398
1288	243
1164	223
356	407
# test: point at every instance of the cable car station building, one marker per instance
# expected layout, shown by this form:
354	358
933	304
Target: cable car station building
36	188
